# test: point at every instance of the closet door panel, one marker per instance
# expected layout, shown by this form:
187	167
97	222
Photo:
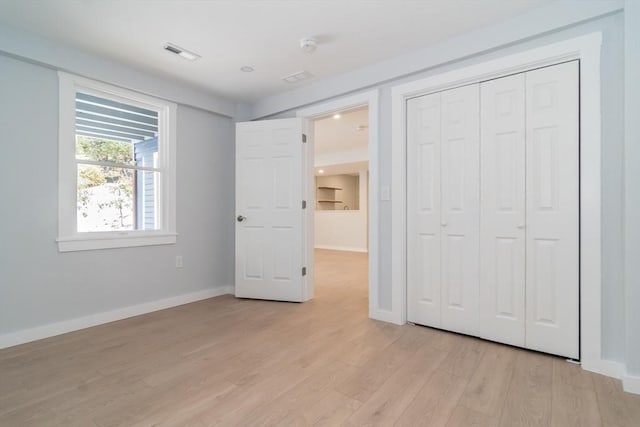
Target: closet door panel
552	187
502	216
460	160
423	208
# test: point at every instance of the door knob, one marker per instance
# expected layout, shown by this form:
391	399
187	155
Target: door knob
241	218
520	226
443	223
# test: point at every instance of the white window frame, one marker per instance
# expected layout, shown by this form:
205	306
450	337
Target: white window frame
69	239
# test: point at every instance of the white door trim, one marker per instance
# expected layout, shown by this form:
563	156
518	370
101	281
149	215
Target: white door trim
369	98
587	50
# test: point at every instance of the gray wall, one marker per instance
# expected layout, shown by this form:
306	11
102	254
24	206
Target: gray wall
612	27
632	192
38	284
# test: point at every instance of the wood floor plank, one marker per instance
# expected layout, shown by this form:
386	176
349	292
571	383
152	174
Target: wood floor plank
574	406
575	403
332	410
464	356
290	406
368	378
529	397
435	402
487	389
572	374
390	400
616	407
466	417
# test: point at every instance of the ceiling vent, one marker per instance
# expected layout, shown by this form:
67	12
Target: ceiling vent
297	77
182	53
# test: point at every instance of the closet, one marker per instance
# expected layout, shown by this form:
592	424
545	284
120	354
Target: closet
493	209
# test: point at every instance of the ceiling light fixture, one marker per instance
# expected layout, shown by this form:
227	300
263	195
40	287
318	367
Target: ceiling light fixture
182	53
320	170
246	69
337	116
308	44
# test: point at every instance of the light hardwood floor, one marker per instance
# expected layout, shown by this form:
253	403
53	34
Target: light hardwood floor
229	362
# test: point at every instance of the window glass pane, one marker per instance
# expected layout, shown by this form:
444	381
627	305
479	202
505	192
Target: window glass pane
110	118
147	200
146	152
107	130
103	150
106	198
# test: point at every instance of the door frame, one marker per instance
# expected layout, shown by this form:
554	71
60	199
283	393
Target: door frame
370	100
586	49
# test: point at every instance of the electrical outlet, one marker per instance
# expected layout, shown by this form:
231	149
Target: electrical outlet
179	261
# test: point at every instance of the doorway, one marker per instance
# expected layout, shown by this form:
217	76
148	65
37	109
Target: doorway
361	106
341	208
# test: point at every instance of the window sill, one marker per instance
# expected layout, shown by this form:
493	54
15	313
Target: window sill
111	241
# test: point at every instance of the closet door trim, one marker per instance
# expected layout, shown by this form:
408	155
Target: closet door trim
584	48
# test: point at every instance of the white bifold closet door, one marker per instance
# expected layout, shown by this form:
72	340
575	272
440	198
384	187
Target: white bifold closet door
423	207
493	210
552	228
460	217
503	210
443	211
529	289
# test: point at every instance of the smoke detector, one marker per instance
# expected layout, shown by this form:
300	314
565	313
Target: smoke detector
308	44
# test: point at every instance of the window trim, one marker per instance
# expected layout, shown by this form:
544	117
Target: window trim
69	239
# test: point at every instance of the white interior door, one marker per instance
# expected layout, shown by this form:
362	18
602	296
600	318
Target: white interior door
460	210
552	209
502	216
272	228
423	210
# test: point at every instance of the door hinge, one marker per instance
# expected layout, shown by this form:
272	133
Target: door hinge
304	204
304	271
304	138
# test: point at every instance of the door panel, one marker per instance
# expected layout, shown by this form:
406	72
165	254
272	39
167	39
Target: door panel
453	256
270	240
552	210
460	156
502	217
423	210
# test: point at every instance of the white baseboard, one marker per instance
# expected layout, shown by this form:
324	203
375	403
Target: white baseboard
341	248
58	328
609	368
631	383
383	315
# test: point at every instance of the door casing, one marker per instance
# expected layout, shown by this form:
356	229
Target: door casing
587	50
369	99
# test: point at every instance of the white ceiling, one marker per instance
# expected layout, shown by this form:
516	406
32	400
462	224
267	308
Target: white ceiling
340	135
264	34
351	168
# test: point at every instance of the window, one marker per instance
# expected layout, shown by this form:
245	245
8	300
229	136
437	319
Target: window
116	167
